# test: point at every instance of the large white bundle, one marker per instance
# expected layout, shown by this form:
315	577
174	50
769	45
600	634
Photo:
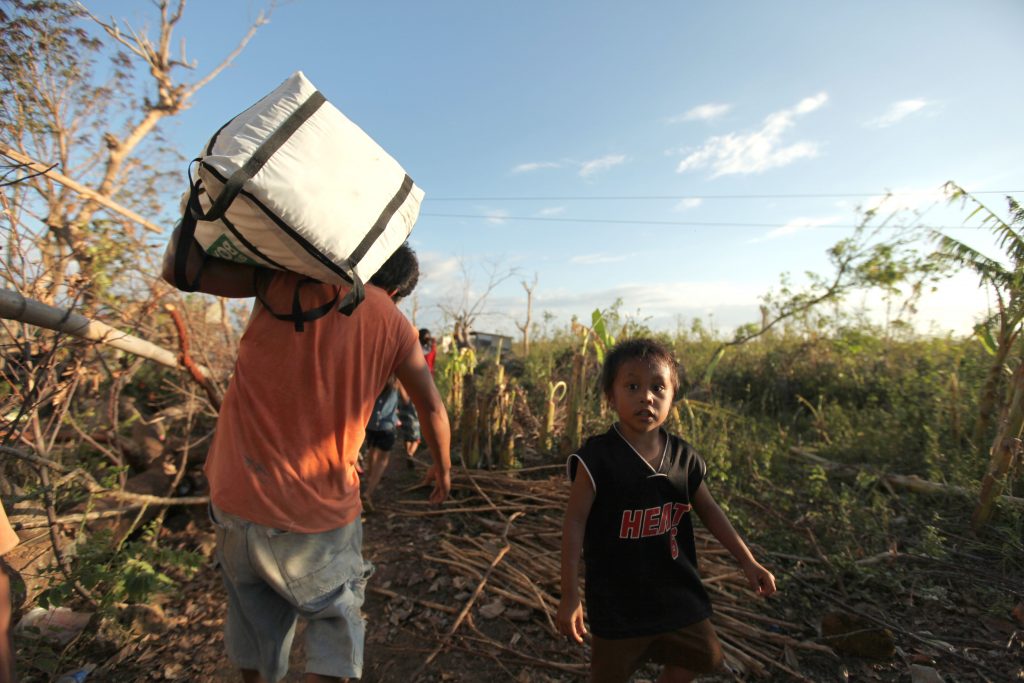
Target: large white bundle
292	184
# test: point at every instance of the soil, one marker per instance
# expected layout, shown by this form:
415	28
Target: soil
922	617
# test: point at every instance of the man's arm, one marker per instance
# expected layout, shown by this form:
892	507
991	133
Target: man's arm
219	277
415	376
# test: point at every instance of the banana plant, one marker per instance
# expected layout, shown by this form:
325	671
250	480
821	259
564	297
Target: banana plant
556	392
999	335
579	393
1007	285
461	363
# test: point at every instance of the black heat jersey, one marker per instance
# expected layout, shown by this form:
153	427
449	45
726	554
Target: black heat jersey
638	547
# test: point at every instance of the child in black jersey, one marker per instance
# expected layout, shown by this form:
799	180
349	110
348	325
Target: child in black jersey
629	513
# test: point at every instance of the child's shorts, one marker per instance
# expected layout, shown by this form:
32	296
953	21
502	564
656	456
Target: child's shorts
274	576
694	648
410	421
380	439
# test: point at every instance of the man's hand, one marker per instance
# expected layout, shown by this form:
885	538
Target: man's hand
442	484
415	376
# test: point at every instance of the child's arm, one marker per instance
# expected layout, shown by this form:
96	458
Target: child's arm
570	609
7	672
714	519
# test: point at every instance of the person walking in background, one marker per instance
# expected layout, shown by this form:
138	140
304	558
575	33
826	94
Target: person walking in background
408	426
429	347
281	467
380	438
408	421
633	488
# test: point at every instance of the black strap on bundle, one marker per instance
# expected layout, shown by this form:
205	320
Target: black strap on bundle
297	316
382	221
187	239
300	317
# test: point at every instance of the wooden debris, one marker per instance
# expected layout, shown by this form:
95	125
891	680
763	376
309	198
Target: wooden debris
429	604
518	565
851	634
469	604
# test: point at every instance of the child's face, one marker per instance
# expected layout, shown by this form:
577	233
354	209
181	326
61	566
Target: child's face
642	395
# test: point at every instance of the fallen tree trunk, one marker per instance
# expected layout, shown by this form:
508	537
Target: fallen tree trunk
906	482
14	306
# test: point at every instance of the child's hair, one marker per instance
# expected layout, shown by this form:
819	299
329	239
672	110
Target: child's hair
642	348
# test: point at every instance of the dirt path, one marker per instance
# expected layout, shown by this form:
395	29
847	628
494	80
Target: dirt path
186	642
401	634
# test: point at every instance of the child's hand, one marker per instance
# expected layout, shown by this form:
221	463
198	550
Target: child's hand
570	620
761	580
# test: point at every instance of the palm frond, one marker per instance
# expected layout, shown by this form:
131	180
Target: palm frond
1016	211
1010	240
955	251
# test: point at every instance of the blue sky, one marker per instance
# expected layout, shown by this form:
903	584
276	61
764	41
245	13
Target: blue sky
507	114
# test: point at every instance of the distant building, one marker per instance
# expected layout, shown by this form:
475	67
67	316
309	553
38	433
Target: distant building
486	343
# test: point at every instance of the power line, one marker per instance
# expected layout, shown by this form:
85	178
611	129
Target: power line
694	224
570	198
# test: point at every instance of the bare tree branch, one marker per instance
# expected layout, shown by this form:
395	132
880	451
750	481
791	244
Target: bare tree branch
88	193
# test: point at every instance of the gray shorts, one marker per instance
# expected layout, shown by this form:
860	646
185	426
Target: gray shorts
273	577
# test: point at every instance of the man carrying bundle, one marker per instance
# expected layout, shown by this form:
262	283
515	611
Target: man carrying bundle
283	484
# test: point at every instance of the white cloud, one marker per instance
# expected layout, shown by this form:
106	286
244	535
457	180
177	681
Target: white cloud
809	104
897	112
703	112
906	199
797	225
496	216
671	297
660	304
535	166
551	211
956	305
689	203
724	304
589	168
439	274
756	151
594	259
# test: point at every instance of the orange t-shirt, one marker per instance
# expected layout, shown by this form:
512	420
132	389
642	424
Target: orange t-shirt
8	539
295	413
